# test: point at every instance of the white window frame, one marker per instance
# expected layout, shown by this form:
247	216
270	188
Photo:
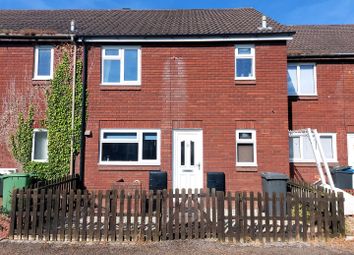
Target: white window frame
298	85
253	140
252	55
139	140
37	130
43	77
302	160
120	57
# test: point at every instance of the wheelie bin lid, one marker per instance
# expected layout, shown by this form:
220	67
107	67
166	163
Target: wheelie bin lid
274	176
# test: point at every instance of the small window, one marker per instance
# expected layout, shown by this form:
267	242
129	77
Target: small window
245	62
302	80
40	145
130	147
43	66
121	65
300	148
246	153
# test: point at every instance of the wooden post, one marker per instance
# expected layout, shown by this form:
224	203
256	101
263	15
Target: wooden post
13	213
164	215
260	217
177	216
221	216
341	214
183	215
229	217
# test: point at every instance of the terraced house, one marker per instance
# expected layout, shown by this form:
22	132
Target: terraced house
186	92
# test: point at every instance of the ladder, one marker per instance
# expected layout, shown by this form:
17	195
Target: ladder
322	166
317	149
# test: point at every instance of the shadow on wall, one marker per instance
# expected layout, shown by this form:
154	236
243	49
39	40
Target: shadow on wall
295	173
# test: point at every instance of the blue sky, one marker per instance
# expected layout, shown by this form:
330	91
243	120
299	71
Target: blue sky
285	11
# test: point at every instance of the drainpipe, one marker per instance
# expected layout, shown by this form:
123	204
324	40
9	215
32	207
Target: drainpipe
83	115
72	156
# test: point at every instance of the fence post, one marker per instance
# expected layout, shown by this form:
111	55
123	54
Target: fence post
13	213
341	214
221	215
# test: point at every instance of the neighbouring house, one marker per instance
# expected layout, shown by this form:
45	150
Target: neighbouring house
321	88
182	91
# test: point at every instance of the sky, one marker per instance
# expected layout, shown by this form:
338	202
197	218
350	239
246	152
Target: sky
288	12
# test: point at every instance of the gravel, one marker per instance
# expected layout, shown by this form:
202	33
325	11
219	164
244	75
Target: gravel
187	247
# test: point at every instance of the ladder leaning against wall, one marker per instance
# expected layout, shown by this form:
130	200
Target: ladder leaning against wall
322	166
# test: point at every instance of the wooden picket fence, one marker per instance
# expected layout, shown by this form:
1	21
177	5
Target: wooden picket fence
65	183
114	215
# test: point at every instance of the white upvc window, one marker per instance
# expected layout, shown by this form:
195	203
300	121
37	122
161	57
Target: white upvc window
43	62
246	147
130	146
300	149
121	65
245	62
302	79
40	145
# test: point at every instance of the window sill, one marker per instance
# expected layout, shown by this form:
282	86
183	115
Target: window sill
102	167
246	168
41	82
303	98
245	82
119	87
312	164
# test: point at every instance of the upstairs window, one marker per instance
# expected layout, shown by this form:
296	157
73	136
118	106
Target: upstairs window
245	62
130	147
43	66
246	152
121	65
300	148
40	145
302	80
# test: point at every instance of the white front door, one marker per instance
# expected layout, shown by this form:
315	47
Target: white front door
350	142
187	159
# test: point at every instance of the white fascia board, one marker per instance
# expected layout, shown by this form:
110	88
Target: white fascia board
188	39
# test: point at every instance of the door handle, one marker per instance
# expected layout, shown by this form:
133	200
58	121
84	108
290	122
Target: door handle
198	166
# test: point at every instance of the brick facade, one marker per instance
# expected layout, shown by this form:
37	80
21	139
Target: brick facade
193	86
17	92
330	111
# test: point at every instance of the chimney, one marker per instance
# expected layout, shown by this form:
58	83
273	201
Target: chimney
264	26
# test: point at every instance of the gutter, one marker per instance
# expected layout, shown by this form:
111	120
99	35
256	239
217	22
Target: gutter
239	38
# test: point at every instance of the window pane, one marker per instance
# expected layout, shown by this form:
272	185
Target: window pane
245	153
192	153
294	147
245	135
131	65
149	145
307	149
107	135
307	81
242	51
119	152
44	60
327	145
111	72
183	144
292	80
40	146
244	67
112	52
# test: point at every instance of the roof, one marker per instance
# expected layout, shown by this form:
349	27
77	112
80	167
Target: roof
322	40
138	23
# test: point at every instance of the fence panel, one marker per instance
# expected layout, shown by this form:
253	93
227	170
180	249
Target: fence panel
48	214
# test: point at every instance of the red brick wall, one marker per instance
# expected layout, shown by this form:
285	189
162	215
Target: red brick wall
331	111
17	91
193	86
